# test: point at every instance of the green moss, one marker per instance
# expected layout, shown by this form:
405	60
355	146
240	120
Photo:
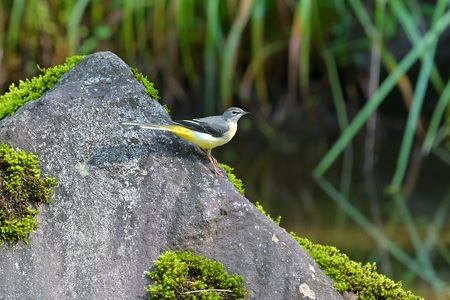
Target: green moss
151	91
167	109
352	276
348	275
234	180
33	88
21	192
261	209
184	275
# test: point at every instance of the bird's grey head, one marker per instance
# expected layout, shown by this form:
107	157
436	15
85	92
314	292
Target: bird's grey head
234	114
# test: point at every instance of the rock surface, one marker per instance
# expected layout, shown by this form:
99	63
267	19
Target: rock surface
125	195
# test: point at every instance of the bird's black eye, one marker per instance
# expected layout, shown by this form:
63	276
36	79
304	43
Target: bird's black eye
235	112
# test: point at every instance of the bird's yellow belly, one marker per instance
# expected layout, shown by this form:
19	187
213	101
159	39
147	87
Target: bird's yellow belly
203	140
206	141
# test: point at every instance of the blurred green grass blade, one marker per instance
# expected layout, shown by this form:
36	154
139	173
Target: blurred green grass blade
439	10
213	41
127	34
100	33
438	113
443	101
73	25
257	44
230	52
404	83
363	17
413	116
442	134
141	14
341	112
385	87
376	234
293	56
443	248
158	26
419	247
96	12
377	40
336	89
14	28
255	68
409	24
338	96
438	223
304	11
185	22
442	153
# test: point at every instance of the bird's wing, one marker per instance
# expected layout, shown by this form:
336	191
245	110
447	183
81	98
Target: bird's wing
214	127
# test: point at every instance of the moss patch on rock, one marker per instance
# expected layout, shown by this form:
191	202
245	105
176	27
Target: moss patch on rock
234	180
261	209
151	91
32	89
22	191
351	276
184	275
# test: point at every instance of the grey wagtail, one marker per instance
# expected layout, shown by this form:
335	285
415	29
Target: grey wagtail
207	133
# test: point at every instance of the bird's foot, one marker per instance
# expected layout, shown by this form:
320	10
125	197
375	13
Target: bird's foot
215	167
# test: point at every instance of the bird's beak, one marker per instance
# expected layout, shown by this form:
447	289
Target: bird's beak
246	113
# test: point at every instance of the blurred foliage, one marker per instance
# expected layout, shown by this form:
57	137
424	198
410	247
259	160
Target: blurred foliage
221	51
292	62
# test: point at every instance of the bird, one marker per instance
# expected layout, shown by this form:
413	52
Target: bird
207	133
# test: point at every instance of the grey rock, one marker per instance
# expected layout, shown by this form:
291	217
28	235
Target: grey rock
125	195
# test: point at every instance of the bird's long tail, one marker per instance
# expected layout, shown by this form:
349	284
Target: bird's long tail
176	129
148	125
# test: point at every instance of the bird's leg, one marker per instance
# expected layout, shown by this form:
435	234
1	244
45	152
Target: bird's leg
215	165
